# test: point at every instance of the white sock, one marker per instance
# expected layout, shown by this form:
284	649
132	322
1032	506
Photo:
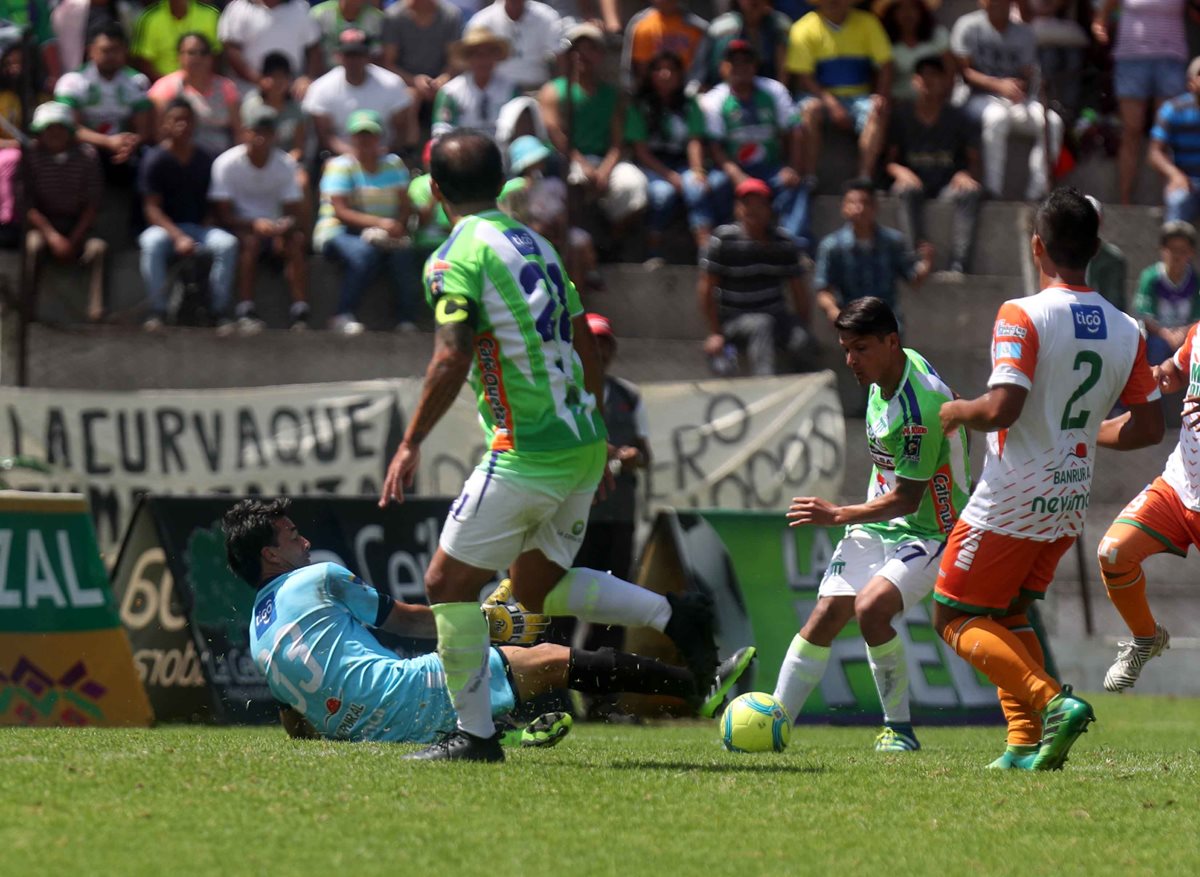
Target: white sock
801	672
602	598
891	679
464	649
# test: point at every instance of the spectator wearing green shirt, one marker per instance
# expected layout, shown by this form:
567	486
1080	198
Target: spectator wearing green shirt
35	15
336	16
665	127
431	225
156	35
597	129
1108	270
1168	294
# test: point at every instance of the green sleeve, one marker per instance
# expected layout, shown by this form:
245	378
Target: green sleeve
635	125
695	120
574	303
453	289
419	191
917	442
1143	299
444	109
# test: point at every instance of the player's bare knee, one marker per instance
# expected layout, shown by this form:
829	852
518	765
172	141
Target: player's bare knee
828	618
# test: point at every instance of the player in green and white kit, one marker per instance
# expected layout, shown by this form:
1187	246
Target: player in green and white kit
888	559
509	317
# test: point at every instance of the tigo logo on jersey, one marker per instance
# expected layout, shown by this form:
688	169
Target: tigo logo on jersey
1089	322
1005	329
264	615
523	241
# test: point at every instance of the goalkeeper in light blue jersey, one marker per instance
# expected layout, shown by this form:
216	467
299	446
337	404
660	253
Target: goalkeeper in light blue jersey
309	637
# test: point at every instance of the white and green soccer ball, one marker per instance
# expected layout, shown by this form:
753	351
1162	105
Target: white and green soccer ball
756	722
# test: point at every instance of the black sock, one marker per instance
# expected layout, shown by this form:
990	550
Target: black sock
607	672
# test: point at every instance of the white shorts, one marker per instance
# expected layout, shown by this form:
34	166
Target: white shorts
494	521
911	566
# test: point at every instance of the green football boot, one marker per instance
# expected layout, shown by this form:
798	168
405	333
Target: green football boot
1063	720
1016	757
727	675
897	739
546	730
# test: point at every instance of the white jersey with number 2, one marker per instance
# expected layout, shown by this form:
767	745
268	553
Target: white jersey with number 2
1077	355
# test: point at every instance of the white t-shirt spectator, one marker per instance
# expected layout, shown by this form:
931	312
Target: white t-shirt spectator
1003	54
331	95
287	28
256	192
534	40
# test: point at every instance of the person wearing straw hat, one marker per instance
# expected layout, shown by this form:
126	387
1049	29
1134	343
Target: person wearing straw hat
62	192
534	33
473	98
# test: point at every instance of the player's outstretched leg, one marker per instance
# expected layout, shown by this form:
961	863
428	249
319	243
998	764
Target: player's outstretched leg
728	673
1063	720
602	598
1121	553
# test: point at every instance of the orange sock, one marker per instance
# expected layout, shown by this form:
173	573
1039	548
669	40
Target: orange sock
999	654
1121	553
1024	722
1127	590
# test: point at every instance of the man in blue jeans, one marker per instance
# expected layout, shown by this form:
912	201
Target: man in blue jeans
754	132
173	180
363	223
1175	150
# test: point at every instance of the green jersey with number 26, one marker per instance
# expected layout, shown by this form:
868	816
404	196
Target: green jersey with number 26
507	283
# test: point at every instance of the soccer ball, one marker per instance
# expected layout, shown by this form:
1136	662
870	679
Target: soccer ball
755	722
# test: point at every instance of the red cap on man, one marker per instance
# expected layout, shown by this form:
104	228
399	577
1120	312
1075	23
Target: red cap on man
600	326
752	186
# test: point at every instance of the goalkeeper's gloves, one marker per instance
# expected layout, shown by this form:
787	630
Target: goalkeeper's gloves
510	623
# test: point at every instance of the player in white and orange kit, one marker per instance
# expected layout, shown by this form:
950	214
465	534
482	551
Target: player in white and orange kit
1060	360
1163	517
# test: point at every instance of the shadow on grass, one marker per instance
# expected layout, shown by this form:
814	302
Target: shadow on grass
748	767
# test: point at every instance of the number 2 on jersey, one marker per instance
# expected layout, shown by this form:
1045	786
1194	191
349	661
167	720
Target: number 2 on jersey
550	282
1094	365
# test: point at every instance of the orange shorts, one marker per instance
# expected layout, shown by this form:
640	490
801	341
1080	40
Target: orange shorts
1158	511
983	572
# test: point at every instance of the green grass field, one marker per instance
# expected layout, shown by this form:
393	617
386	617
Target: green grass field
664	799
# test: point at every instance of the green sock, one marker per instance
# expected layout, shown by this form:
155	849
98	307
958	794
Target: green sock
463	647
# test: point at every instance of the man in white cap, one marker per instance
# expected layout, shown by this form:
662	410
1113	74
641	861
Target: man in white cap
63	187
473	98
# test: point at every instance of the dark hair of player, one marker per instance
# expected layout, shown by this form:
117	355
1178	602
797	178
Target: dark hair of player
867	316
249	528
467	167
1069	228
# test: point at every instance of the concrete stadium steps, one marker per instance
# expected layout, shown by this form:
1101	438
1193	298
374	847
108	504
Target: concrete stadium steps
125	358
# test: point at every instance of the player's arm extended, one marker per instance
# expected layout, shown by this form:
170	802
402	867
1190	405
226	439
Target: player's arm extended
904	500
410	619
585	346
1139	427
453	346
998	408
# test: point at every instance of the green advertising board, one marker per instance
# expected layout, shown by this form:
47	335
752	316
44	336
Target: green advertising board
763	577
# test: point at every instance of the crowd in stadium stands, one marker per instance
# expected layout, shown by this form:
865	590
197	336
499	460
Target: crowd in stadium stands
257	128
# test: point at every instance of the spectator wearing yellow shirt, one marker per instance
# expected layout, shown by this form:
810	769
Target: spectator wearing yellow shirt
156	35
841	59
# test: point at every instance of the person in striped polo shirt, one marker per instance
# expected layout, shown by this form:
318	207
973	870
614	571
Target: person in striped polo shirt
1175	150
743	272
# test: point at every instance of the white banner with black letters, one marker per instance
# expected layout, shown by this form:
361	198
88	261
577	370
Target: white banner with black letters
749	443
